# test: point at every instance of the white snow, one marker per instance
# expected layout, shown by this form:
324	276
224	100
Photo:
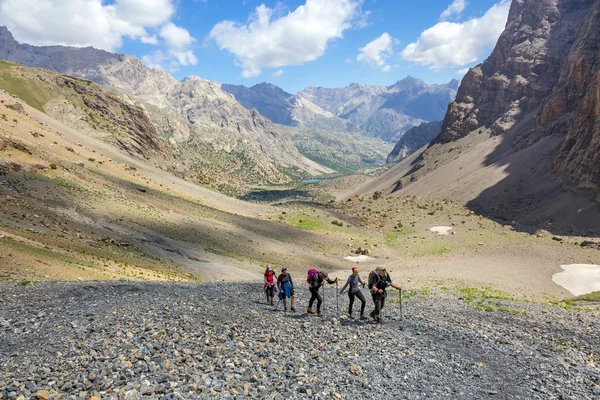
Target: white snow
441	230
358	259
579	278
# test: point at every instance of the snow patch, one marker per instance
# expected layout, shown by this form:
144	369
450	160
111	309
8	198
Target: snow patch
441	230
579	278
359	259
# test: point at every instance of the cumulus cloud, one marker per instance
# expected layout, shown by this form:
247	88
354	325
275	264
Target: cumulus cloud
462	72
293	39
94	23
377	52
456	8
450	44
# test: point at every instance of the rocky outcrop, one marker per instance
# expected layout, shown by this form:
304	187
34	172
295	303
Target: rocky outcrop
413	140
386	112
545	64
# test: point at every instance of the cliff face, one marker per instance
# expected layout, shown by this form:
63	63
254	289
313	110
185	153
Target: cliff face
545	65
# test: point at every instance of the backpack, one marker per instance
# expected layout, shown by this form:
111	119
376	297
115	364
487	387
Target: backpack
373	279
311	274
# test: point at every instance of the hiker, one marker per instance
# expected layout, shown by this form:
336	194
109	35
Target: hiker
269	287
285	284
354	291
379	280
315	280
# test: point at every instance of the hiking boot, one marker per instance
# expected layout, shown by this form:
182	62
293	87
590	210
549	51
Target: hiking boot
293	309
310	311
379	320
319	314
362	317
372	314
284	309
350	316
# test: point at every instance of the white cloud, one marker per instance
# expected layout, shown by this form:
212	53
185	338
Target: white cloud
175	36
462	72
449	44
293	39
456	8
277	73
349	60
94	23
377	52
149	40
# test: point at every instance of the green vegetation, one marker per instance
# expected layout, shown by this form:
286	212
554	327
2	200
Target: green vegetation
32	92
53	166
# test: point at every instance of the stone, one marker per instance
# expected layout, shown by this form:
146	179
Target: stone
42	395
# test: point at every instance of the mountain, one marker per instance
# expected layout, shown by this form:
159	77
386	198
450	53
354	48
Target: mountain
413	140
225	145
522	140
285	108
386	112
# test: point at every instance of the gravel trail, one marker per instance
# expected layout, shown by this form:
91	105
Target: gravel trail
130	340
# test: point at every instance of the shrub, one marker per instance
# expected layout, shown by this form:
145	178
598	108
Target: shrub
91	159
337	223
53	166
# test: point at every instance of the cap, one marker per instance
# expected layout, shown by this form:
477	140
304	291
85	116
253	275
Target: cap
354	269
283	269
269	267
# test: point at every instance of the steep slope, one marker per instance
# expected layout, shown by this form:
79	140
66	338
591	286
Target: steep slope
85	106
413	140
226	145
386	112
522	140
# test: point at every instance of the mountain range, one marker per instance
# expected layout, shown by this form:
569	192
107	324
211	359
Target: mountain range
229	136
384	112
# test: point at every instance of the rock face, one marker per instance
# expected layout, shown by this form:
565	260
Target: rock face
414	139
223	142
386	112
545	65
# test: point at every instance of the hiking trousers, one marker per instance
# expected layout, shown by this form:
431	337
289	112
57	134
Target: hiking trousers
361	298
315	296
379	300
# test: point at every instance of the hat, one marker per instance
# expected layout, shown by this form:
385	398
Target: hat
283	269
269	268
354	269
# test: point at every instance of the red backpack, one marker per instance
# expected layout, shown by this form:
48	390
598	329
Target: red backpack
311	274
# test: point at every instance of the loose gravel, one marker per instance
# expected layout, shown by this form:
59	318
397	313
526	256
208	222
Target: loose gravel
129	340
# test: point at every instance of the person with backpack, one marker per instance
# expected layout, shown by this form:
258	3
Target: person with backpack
285	284
270	278
379	280
354	291
315	280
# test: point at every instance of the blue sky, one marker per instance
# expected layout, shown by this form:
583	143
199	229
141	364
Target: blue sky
292	44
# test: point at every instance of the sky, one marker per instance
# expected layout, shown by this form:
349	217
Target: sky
290	43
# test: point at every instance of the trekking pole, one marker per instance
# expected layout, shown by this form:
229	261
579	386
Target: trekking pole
400	296
337	299
323	298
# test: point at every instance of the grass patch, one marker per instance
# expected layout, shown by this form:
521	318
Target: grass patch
305	222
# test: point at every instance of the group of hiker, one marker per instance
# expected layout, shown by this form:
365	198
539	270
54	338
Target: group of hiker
379	280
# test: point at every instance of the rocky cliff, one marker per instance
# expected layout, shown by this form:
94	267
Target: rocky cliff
413	140
545	67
